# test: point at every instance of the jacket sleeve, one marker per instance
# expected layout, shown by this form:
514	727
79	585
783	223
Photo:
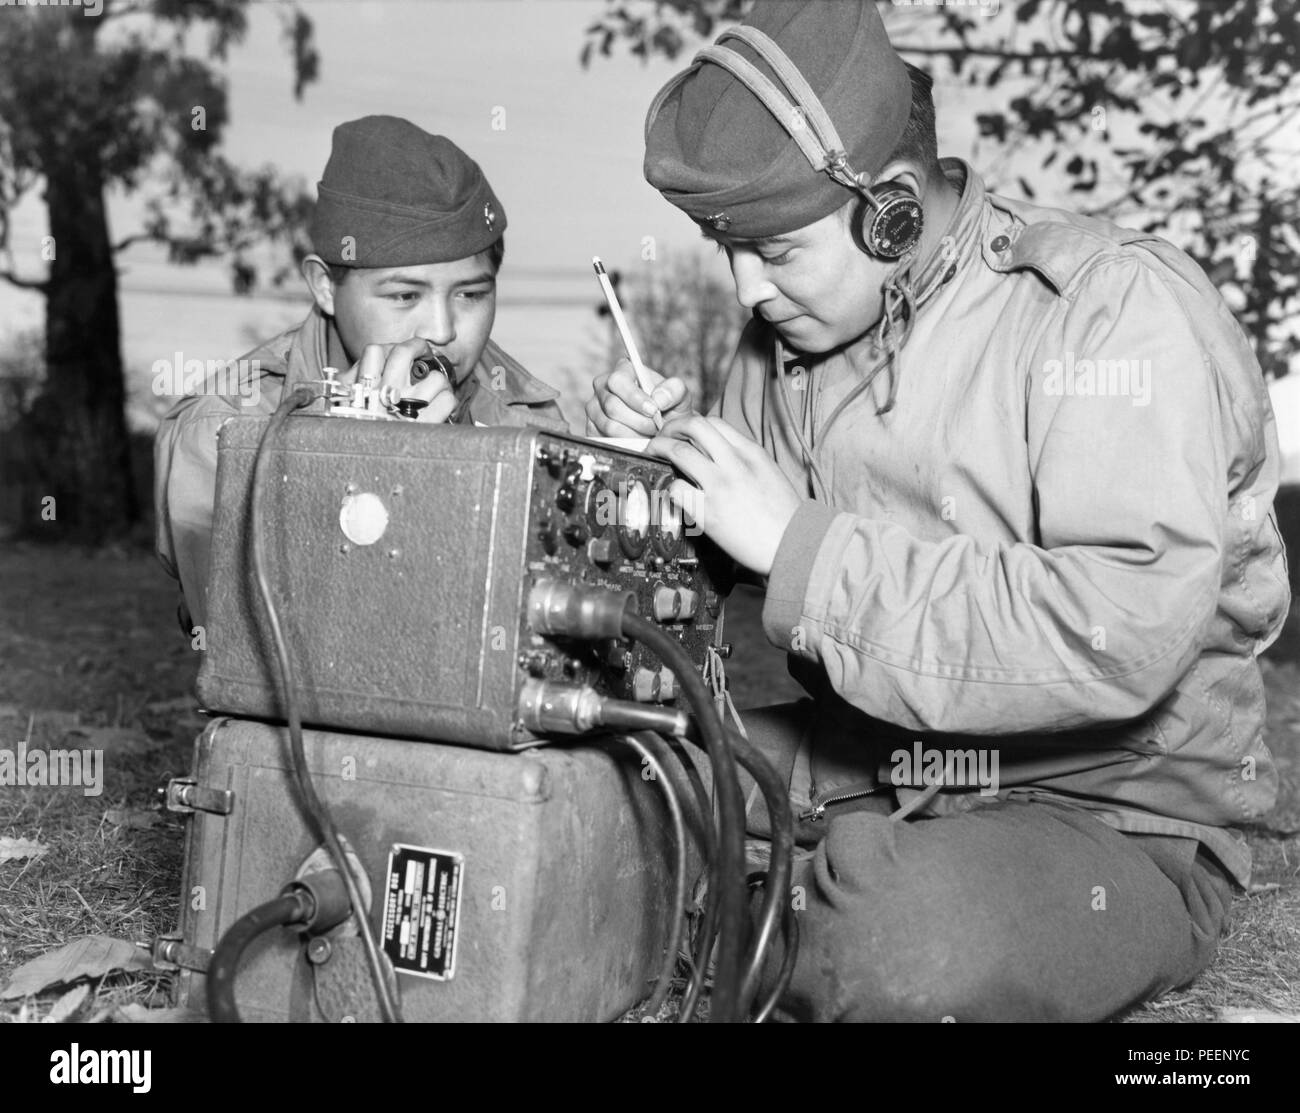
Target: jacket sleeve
547	415
1099	618
185	479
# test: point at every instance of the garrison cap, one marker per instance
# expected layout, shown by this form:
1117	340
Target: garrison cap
716	151
403	196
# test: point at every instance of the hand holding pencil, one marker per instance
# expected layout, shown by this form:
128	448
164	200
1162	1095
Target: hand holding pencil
632	396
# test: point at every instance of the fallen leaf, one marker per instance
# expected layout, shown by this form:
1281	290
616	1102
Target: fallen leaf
1257	1016
1257	889
88	957
66	1005
136	1013
138	818
13	849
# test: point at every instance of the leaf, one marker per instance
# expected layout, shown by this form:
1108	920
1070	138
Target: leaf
139	819
14	849
88	957
135	1013
66	1005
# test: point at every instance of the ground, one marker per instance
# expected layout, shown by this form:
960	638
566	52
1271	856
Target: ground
91	657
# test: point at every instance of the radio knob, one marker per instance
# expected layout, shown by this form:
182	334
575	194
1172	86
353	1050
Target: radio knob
546	535
600	550
575	533
674	604
667	685
566	497
616	656
645	685
654	685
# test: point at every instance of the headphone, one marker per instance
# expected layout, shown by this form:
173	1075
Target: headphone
890	219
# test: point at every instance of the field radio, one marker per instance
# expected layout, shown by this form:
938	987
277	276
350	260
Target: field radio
428	580
416	566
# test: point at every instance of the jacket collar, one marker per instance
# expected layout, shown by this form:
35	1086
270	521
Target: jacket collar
959	238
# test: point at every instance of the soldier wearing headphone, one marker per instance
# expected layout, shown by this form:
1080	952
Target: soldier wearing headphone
1007	474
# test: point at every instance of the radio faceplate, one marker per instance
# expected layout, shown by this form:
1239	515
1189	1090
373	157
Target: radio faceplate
403	555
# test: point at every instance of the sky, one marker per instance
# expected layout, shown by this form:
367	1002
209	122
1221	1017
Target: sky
561	145
564	156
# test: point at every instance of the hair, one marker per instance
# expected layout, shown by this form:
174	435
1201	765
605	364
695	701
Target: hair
495	253
918	143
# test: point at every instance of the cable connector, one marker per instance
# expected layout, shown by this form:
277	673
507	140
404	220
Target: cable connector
553	707
576	611
323	898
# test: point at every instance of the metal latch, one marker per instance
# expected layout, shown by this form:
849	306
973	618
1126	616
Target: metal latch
172	950
186	795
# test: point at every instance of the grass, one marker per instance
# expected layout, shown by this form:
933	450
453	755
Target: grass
94	659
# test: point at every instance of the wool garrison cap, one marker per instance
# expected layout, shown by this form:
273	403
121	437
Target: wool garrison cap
395	196
718	153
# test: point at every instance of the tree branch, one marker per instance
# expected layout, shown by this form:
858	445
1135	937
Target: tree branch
1017	55
25	283
117	8
137	237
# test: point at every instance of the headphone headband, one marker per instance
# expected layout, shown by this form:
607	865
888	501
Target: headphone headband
810	126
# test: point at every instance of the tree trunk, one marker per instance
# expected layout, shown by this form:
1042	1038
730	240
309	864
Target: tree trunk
79	422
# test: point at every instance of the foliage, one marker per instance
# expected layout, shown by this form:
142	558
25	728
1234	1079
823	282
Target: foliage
126	94
1168	115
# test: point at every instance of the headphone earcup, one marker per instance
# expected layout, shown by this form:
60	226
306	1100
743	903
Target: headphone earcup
891	227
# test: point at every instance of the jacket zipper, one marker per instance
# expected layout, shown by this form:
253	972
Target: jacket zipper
819	803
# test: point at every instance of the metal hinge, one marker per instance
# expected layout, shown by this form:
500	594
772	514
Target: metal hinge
186	795
172	950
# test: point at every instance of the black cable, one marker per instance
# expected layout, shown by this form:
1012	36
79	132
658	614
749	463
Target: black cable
316	811
777	887
728	874
704	812
699	962
782	862
224	966
669	965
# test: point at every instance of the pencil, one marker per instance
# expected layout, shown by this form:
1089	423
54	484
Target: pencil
620	322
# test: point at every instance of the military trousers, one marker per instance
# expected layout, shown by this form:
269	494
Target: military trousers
1016	910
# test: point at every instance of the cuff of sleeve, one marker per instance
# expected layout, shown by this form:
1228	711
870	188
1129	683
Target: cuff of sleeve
787	585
